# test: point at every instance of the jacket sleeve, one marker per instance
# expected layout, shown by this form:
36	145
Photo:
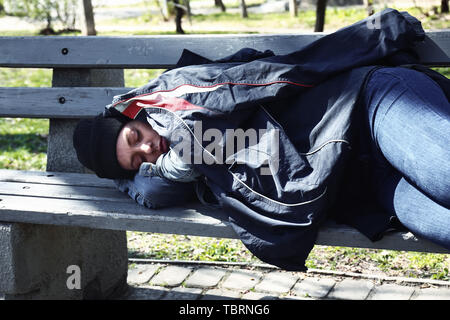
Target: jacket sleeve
155	192
171	167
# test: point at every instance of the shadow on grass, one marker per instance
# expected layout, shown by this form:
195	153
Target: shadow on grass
30	142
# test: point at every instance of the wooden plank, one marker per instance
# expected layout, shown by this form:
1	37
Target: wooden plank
132	52
435	49
125	215
61	191
57	102
192	219
164	51
332	234
55	178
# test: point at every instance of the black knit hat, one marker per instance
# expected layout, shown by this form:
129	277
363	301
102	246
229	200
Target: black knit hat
95	143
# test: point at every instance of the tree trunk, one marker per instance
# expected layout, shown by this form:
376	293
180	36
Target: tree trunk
164	8
244	13
88	25
187	4
369	7
219	3
444	6
293	8
179	12
49	21
320	15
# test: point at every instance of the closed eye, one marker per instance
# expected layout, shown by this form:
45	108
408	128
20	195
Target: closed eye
138	135
134	137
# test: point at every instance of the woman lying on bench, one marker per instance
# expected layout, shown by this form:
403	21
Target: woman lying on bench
334	130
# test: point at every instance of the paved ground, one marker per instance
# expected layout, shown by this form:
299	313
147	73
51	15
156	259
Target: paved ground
178	281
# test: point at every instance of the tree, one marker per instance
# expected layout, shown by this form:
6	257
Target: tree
66	13
171	8
187	9
293	8
219	3
369	7
179	12
164	9
87	14
320	15
244	13
47	11
163	6
444	6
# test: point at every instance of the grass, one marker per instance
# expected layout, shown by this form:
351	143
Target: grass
181	247
23	146
443	71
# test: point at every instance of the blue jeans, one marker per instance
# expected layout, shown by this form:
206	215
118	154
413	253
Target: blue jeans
409	122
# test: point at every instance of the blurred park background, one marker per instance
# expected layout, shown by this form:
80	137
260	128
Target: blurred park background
23	142
142	17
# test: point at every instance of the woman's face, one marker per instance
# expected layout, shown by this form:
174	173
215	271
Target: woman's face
137	143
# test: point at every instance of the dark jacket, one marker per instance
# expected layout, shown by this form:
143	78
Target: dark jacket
304	101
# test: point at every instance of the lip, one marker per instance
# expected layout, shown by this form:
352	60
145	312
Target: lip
163	145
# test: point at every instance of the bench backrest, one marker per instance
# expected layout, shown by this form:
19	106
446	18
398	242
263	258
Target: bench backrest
88	72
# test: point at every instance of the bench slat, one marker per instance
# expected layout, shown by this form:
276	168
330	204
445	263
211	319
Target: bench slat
61	191
164	51
129	216
60	203
338	235
122	215
55	178
59	102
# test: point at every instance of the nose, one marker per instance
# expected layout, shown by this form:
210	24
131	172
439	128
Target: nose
145	148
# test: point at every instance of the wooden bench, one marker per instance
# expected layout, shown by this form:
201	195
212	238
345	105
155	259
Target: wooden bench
66	217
